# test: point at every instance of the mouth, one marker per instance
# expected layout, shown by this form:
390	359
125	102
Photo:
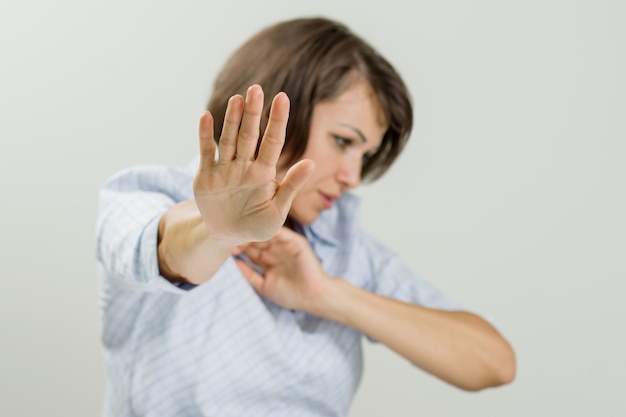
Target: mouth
327	199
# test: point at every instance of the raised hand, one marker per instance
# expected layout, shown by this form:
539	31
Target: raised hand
238	195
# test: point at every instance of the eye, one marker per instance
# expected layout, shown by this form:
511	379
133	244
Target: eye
342	142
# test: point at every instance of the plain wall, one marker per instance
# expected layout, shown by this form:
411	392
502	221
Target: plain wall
511	195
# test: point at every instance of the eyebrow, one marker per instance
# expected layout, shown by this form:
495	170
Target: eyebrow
357	131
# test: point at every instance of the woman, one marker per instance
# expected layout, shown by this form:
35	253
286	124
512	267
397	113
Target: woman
245	288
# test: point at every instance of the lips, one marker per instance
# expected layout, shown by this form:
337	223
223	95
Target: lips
327	199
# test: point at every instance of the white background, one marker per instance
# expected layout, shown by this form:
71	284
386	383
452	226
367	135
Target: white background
511	195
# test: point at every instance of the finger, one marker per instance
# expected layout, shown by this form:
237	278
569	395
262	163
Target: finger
274	136
230	129
285	235
255	254
263	254
250	122
293	182
255	280
206	141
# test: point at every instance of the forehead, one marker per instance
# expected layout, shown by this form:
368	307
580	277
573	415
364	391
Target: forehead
357	106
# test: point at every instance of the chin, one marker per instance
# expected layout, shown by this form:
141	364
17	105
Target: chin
304	218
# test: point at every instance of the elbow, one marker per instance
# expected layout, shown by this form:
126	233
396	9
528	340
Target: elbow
497	373
507	367
502	377
507	372
501	372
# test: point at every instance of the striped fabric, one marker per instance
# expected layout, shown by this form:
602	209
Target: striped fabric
219	349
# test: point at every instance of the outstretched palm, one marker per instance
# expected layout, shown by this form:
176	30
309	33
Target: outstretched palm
238	195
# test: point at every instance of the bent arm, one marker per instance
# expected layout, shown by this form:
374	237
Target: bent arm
456	346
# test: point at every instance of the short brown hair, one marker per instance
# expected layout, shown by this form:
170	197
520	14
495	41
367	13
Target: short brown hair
311	60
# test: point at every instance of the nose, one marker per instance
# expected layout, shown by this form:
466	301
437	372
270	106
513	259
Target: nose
349	172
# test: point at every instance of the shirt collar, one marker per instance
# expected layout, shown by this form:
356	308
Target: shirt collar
331	224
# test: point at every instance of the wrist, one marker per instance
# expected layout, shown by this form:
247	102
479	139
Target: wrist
186	251
331	302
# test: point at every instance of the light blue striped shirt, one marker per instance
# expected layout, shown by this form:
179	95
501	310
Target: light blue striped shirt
219	349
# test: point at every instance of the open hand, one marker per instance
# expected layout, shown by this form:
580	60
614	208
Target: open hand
238	195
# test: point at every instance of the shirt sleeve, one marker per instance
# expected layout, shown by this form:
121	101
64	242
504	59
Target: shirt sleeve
131	204
390	277
382	271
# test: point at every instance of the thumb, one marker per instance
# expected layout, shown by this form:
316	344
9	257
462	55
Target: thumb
294	180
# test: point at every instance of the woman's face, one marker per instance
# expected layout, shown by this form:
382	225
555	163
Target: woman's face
343	132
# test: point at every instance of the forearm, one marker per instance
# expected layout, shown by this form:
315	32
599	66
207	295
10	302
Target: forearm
186	251
458	347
